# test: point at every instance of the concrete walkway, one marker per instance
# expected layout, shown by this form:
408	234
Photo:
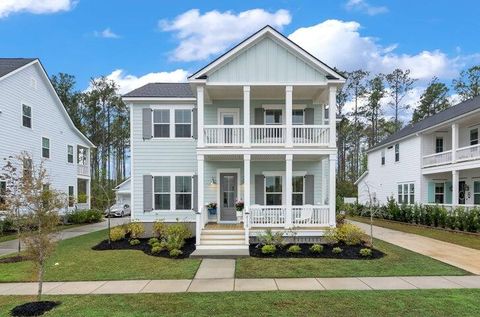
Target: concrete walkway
453	254
238	285
9	247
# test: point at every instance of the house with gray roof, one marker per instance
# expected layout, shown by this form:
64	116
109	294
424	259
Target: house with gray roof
434	161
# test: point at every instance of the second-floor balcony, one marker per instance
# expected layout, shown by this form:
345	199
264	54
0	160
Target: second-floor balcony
463	154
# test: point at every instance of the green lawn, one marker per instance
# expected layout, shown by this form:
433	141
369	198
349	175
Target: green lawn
76	261
332	303
13	236
8	237
397	262
466	240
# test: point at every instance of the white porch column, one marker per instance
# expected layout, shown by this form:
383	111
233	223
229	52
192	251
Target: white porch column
200	111
332	117
288	115
454	142
246	116
331	189
246	195
288	190
201	184
455	179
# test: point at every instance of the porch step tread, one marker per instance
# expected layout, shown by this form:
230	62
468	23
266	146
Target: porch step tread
222	236
224	242
220	253
223	231
222	246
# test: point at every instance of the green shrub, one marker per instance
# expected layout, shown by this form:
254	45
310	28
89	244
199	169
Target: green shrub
269	249
175	236
159	228
84	216
316	248
330	236
350	234
294	249
117	233
153	241
6	225
340	219
270	238
134	242
135	229
175	253
337	250
156	249
366	252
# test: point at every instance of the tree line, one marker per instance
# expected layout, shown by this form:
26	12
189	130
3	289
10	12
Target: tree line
370	96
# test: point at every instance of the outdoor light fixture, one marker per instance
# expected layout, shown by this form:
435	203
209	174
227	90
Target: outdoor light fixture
213	181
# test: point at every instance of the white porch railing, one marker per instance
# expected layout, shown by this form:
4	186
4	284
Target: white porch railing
83	170
277	216
223	135
311	135
468	153
267	134
437	159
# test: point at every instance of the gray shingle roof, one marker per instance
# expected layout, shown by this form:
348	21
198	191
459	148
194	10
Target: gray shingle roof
443	116
8	65
163	90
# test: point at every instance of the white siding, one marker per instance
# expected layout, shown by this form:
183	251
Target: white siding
48	120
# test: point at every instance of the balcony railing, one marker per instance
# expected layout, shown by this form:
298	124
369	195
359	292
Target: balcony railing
83	170
462	154
277	216
437	159
468	153
266	135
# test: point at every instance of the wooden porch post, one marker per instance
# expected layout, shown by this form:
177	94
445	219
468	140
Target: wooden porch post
201	183
246	195
332	115
331	190
289	115
200	111
288	190
246	116
454	142
455	180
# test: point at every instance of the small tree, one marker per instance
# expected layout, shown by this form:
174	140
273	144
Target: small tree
41	214
374	210
107	192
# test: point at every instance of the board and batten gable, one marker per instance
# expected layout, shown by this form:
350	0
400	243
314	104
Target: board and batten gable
158	156
30	87
384	179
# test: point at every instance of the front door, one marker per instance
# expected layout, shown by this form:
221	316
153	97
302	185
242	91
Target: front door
461	192
228	195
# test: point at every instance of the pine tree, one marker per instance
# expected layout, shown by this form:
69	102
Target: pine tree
467	85
373	109
433	100
399	84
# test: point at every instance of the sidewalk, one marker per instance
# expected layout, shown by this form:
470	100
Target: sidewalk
9	247
237	285
465	258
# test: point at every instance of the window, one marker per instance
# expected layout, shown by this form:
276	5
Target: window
273	116
82	155
71	196
161	191
474	136
183	192
406	193
297	191
476	193
273	190
298	117
439	193
3	192
397	152
70	153
45	147
383	157
439	145
183	123
27	167
161	123
26	116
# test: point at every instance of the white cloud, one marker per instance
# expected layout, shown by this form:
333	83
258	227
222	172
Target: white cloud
203	35
107	33
364	6
340	44
8	7
128	82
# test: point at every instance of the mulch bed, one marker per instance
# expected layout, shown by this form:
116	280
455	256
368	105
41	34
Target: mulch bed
13	259
123	244
34	308
350	252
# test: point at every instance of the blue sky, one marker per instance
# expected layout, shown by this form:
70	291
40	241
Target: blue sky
136	41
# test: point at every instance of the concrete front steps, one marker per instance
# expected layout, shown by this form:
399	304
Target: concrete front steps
221	244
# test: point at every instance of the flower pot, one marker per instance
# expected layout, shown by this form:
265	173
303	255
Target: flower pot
212	211
239	215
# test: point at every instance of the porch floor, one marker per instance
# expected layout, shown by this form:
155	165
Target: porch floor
224	226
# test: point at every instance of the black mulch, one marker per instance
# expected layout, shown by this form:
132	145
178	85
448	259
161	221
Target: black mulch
33	308
123	244
350	252
13	259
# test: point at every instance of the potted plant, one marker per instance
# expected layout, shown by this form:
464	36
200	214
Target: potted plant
212	208
239	205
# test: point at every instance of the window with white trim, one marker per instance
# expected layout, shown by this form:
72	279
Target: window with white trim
71	196
474	136
439	193
397	152
27	167
383	157
298	117
161	123
476	192
273	116
26	116
406	193
3	192
45	147
298	190
183	123
70	153
161	192
273	190
183	192
439	144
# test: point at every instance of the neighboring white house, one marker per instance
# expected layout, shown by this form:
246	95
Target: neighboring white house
257	125
123	193
436	160
34	120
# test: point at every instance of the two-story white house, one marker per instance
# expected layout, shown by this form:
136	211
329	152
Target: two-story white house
435	161
34	120
256	125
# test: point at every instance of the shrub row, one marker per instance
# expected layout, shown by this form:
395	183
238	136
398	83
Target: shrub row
84	216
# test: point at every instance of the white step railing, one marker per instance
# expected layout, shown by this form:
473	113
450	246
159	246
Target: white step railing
468	153
311	135
437	159
277	216
223	135
307	216
267	134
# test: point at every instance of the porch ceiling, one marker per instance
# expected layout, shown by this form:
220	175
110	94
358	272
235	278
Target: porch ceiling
263	157
266	92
